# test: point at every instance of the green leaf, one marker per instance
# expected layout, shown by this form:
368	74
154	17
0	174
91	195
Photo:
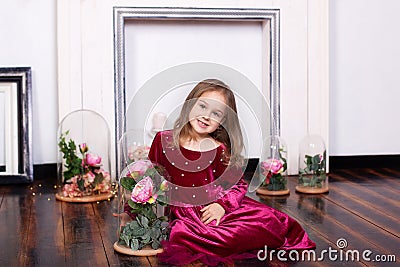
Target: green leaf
144	221
81	184
162	200
134	244
150	172
128	183
156	244
98	178
146	238
138	231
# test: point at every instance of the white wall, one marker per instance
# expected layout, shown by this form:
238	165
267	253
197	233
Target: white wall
28	39
364	77
85	31
364	82
188	42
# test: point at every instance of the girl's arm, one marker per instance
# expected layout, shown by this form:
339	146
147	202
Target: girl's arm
156	149
232	198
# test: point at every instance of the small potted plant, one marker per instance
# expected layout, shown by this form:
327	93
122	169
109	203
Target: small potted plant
142	225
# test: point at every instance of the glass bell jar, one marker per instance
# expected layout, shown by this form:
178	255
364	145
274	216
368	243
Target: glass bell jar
142	224
272	167
312	166
83	165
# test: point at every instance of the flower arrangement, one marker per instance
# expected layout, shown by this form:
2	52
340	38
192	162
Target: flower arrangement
313	175
147	187
83	175
272	170
138	152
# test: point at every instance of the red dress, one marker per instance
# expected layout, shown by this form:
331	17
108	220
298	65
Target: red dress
247	225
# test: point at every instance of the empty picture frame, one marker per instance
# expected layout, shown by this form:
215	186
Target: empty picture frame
16	164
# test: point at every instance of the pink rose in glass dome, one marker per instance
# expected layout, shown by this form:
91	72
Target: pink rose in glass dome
143	191
274	166
83	148
92	160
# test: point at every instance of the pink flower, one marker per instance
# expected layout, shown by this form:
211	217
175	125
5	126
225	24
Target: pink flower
140	166
83	148
267	177
164	185
90	177
143	191
71	190
93	160
274	166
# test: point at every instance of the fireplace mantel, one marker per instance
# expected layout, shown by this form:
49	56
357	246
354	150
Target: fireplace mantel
87	53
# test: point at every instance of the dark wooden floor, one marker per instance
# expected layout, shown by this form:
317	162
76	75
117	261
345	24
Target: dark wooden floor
363	207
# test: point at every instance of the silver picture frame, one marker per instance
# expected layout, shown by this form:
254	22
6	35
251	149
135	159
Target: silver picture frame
21	79
124	14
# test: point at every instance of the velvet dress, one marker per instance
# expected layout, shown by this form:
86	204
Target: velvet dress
247	226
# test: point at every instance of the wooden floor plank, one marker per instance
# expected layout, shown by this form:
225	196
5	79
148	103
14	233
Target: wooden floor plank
14	221
108	225
359	204
332	221
393	174
377	185
83	244
46	236
310	224
362	206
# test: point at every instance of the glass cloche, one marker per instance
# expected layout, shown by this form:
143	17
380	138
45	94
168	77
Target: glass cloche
142	224
83	167
312	166
272	167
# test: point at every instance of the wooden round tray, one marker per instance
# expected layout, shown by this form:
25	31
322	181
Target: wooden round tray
266	192
85	199
311	190
146	251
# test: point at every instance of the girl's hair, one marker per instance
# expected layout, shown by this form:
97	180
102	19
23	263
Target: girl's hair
228	133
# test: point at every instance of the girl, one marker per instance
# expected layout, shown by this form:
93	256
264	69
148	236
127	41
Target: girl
212	220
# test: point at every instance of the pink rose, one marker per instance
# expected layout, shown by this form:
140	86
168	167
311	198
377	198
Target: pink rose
140	166
164	185
93	160
274	166
71	190
90	177
83	148
143	191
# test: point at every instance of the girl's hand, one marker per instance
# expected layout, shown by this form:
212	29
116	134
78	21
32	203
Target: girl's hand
212	212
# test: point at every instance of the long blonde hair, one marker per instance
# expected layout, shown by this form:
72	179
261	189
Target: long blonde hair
228	133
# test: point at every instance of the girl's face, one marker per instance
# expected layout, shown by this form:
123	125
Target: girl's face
208	112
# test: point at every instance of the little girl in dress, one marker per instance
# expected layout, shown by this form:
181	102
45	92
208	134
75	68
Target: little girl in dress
212	220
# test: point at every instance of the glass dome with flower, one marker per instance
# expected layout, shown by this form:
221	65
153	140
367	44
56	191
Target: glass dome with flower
142	195
312	166
84	158
272	167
